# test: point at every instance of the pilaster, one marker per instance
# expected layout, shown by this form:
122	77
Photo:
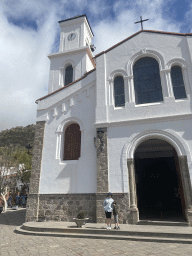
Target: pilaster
131	91
102	173
186	187
102	161
61	77
134	213
33	198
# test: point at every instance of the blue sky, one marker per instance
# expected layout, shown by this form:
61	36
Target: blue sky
30	31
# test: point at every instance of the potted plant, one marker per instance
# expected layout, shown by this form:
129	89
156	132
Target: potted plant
81	220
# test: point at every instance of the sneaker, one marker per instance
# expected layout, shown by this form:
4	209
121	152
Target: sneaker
118	227
109	227
115	227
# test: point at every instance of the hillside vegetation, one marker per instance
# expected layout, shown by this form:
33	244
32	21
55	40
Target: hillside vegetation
13	144
18	137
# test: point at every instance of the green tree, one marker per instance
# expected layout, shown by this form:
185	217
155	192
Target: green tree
25	161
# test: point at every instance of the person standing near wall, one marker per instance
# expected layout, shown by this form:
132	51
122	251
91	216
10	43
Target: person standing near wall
115	214
9	200
108	207
17	199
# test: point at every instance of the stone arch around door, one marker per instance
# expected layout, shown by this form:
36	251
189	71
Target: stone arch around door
184	157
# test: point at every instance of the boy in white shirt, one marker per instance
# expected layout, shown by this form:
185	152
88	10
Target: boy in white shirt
108	207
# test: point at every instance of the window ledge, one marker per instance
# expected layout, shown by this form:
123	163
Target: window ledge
122	107
69	161
149	104
179	100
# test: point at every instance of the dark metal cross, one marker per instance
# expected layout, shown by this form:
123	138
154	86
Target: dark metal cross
28	147
141	21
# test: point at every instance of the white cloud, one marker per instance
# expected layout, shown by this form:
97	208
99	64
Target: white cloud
24	66
188	17
110	32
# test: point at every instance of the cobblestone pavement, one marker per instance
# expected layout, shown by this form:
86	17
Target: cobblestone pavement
15	244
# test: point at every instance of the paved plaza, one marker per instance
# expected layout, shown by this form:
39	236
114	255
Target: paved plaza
16	244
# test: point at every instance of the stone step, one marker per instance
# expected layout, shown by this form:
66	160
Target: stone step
114	235
90	231
162	223
170	234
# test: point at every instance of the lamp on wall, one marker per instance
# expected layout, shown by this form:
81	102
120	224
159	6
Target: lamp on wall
100	135
92	46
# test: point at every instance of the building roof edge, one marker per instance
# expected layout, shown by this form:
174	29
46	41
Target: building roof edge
76	17
81	78
148	31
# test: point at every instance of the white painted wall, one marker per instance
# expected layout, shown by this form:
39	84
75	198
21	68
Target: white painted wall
78	104
90	102
59	62
166	49
89	64
80	28
71	52
121	137
125	123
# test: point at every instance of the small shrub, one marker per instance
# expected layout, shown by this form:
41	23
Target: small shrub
81	215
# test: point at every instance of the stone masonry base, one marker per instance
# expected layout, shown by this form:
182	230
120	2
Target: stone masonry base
65	207
31	207
123	202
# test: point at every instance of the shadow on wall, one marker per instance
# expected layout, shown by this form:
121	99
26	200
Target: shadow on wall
186	55
183	45
121	168
68	177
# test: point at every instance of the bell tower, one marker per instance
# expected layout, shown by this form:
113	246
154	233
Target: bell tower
75	56
75	33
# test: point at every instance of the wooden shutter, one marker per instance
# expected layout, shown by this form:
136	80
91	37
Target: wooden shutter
72	142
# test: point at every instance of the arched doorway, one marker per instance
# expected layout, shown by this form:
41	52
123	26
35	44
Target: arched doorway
158	182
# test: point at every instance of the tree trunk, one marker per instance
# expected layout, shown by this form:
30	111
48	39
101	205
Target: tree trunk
5	202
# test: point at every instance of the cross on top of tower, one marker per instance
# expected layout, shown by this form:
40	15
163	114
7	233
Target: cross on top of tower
141	21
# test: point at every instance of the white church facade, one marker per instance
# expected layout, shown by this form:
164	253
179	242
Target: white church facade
119	121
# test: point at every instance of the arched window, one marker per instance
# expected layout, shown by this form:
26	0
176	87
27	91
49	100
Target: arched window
72	142
177	82
68	75
119	91
147	81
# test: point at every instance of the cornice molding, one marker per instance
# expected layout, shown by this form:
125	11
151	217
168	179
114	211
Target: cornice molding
59	54
56	103
146	120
